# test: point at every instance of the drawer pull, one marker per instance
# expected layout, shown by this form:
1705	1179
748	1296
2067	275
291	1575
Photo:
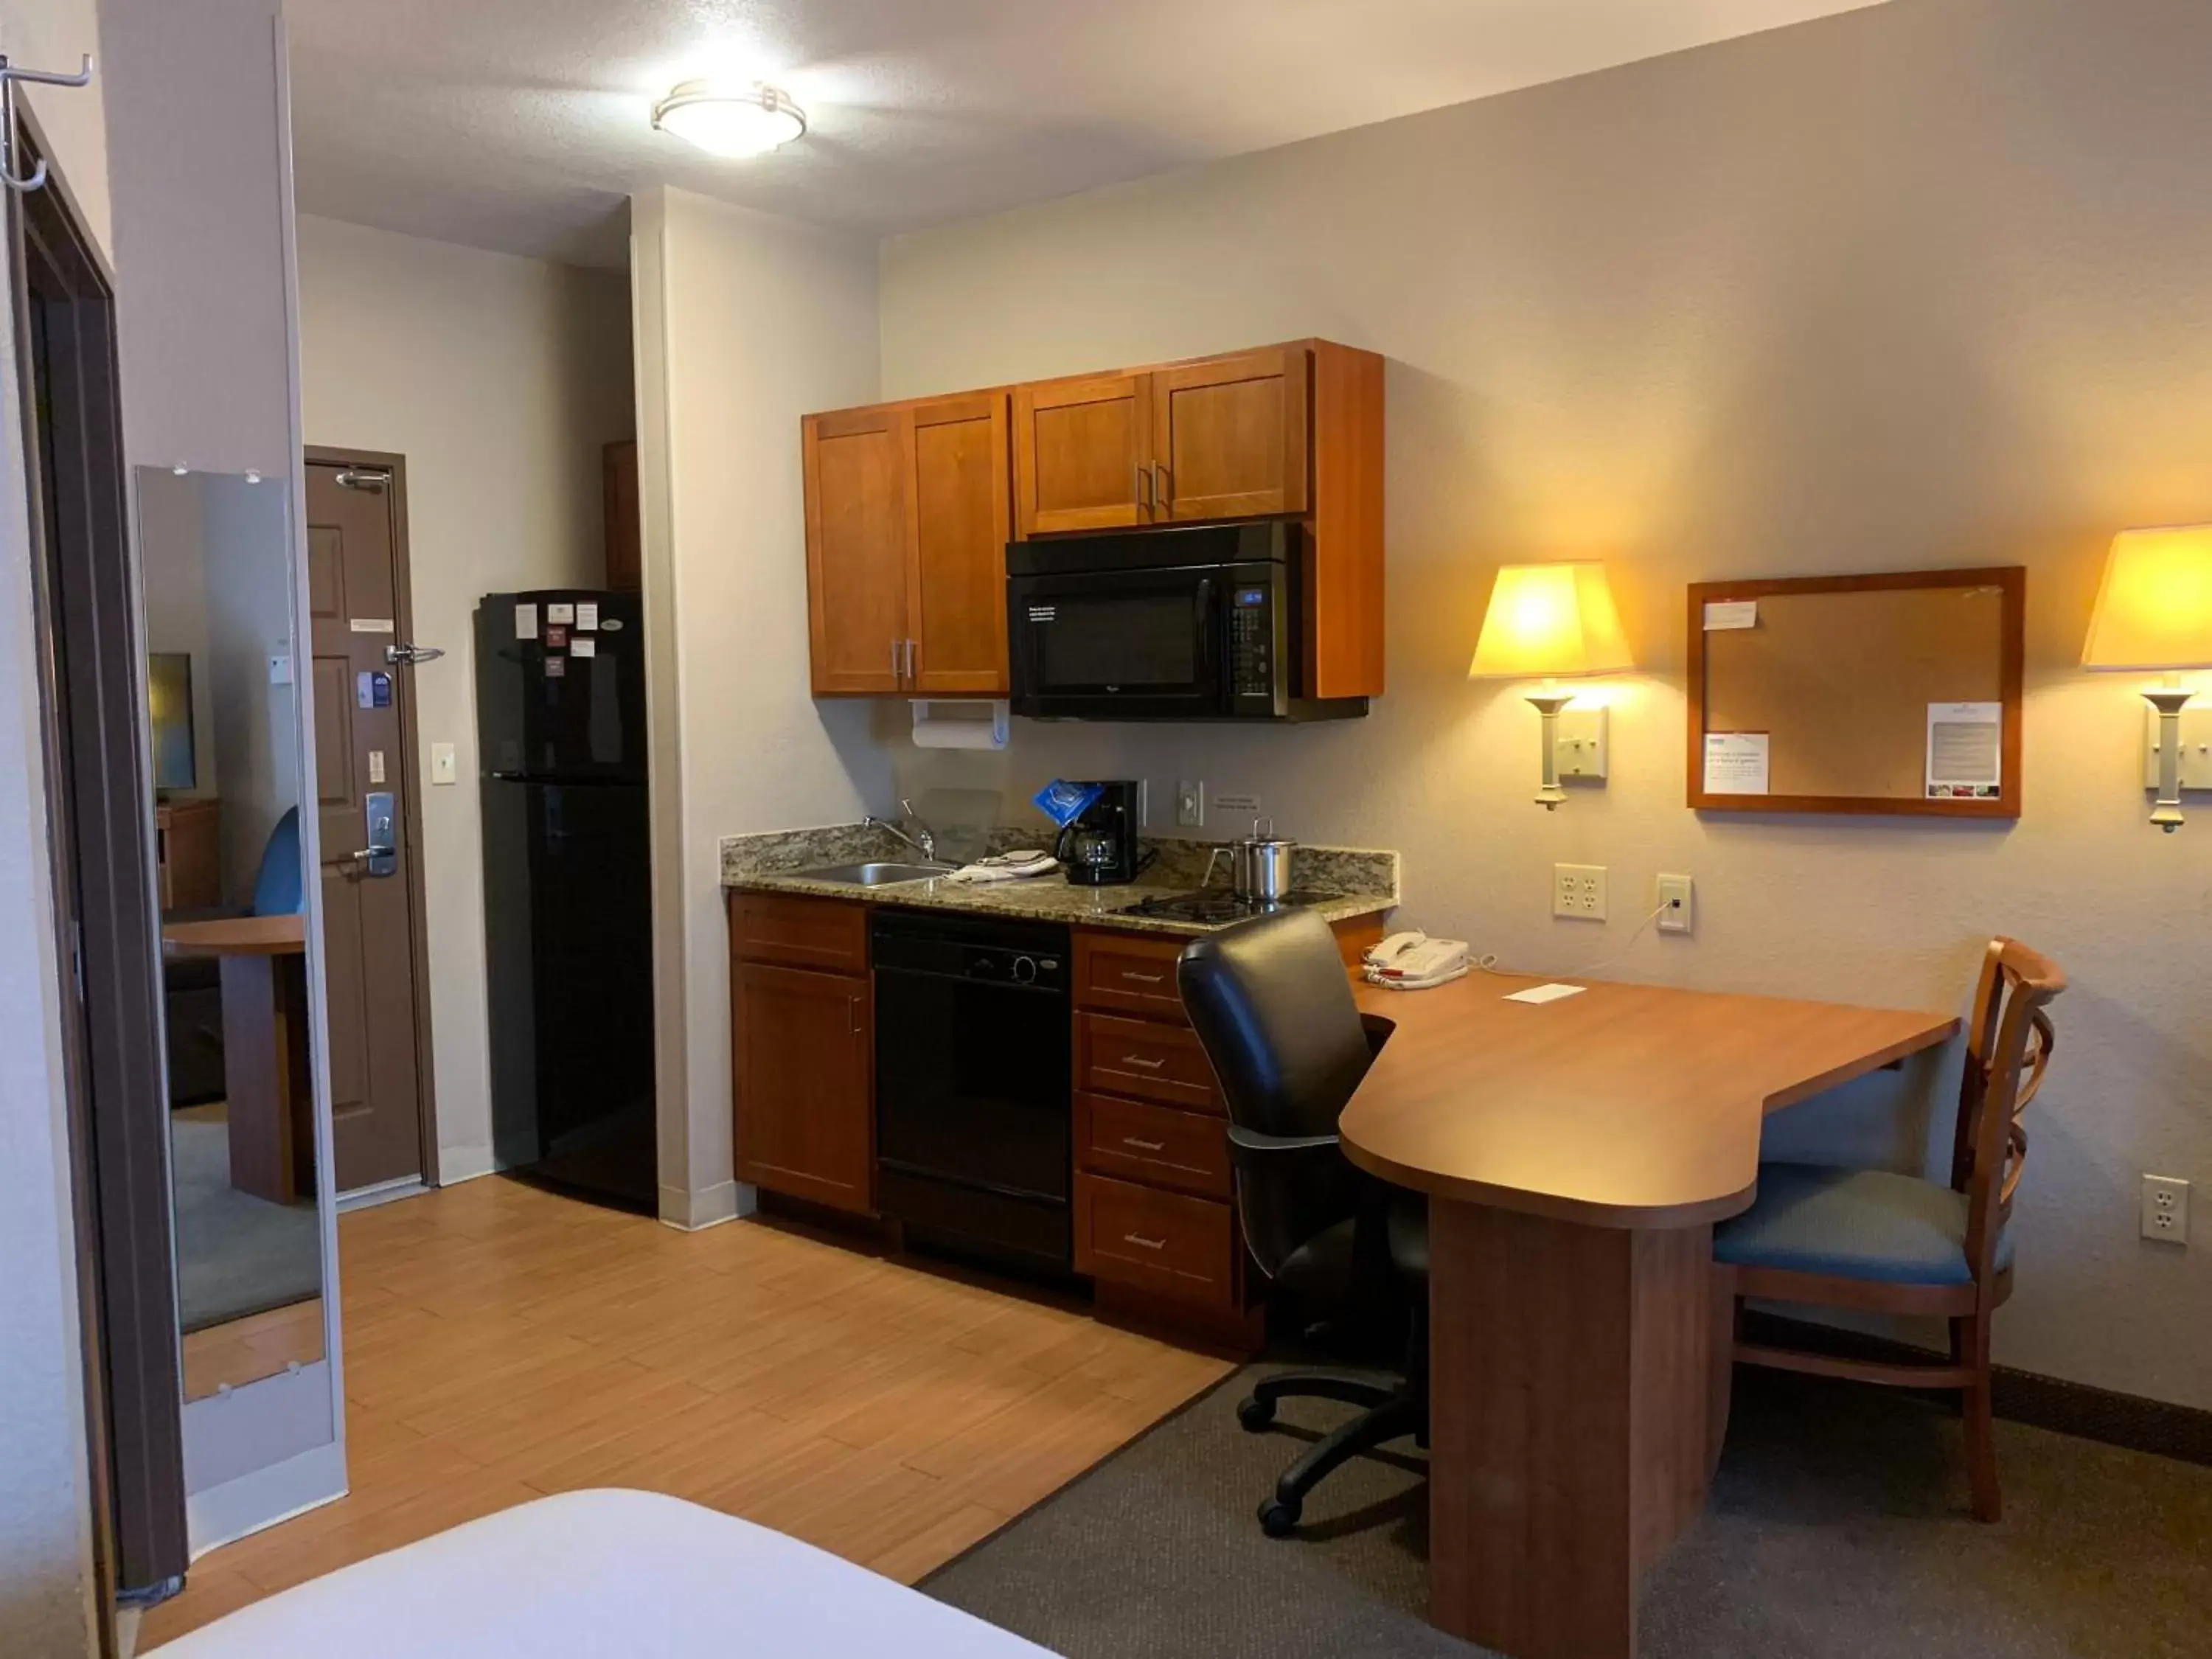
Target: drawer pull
1145	1146
1141	1063
1144	1244
1142	979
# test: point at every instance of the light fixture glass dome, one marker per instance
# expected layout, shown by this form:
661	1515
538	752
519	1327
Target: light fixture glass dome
727	120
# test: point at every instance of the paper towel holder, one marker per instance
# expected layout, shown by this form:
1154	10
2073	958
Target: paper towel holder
930	733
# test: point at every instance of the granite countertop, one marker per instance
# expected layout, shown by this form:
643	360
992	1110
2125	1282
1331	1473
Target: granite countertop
1358	883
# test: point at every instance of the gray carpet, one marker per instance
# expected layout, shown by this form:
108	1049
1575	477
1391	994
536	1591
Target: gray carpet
1837	1527
236	1254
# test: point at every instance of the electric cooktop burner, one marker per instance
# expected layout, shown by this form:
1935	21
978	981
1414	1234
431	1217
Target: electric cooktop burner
1218	906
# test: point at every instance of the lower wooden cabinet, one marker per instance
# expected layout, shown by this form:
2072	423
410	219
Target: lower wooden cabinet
806	1116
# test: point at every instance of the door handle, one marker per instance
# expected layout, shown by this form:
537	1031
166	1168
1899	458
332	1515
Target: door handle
381	856
412	656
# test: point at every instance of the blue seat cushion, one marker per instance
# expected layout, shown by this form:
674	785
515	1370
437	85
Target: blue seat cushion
277	889
1854	1224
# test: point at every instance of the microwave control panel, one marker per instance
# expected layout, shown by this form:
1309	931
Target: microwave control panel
1255	645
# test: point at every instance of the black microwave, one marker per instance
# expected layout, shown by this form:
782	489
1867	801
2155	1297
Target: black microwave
1193	624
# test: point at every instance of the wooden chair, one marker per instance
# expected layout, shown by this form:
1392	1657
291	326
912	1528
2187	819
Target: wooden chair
1882	1242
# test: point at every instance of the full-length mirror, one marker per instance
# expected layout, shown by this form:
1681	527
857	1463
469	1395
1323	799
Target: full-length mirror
224	726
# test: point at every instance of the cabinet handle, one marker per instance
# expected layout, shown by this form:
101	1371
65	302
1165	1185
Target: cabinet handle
1144	487
1160	495
898	675
853	1008
1144	1244
1145	1146
1142	978
912	673
1139	1061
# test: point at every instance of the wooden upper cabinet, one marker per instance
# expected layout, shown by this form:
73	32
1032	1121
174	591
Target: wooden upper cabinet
1083	454
857	561
1229	437
956	549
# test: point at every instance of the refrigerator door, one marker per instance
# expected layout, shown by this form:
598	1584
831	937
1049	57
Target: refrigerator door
560	686
568	930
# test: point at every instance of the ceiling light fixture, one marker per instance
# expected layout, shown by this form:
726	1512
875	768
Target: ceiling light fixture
725	120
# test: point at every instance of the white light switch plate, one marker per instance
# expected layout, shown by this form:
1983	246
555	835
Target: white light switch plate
441	762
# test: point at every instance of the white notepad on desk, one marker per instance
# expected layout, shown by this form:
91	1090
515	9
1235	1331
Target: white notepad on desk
1551	993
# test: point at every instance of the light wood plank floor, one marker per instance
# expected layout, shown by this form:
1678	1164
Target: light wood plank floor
502	1344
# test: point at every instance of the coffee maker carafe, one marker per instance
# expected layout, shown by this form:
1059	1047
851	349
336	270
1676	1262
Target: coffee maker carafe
1099	849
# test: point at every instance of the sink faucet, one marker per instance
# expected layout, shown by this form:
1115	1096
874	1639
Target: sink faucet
923	840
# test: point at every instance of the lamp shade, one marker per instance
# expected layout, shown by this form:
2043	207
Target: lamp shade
2154	605
1550	620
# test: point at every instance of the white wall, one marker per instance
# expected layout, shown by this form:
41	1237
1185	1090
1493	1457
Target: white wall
744	323
213	557
500	379
46	1584
1922	285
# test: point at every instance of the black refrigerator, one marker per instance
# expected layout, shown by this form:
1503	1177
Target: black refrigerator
560	746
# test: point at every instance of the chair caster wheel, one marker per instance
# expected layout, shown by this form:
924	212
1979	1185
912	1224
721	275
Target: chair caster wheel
1279	1519
1255	1414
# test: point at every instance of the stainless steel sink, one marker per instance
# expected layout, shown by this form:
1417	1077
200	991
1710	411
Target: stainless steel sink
878	873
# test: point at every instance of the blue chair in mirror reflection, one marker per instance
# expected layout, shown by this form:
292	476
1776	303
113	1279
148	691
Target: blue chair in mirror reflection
191	990
1876	1242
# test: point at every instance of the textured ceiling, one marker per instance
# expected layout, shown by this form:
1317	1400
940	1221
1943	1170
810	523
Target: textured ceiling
523	124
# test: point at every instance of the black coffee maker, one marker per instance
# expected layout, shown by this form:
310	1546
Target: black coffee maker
1099	849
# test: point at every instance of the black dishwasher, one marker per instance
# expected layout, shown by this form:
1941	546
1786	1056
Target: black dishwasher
973	1123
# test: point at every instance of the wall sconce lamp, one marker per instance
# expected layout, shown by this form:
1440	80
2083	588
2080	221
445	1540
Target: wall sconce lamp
2155	611
1553	621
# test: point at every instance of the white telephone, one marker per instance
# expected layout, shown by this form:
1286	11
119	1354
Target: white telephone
1413	962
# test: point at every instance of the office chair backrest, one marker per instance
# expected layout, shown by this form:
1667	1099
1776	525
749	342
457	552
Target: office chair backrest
1271	1004
278	890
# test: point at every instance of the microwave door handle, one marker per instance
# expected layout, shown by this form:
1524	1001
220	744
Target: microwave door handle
1211	627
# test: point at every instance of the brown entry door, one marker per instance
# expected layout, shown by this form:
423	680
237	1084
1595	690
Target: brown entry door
356	598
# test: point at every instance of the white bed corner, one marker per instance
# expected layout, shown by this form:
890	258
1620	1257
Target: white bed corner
595	1574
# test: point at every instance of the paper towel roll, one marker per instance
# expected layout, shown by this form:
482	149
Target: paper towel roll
980	725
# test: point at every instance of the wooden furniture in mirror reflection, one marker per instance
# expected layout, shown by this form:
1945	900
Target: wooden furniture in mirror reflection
188	853
268	1079
1876	1242
1576	1155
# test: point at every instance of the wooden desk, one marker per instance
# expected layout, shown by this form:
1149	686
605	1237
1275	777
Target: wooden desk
268	1085
1576	1155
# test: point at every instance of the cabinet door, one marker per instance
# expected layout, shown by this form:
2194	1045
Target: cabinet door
1229	437
958	503
1082	453
804	1123
856	549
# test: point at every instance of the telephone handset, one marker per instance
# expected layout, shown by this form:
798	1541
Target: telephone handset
1413	962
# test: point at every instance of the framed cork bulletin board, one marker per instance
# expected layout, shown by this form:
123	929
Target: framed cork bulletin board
1897	693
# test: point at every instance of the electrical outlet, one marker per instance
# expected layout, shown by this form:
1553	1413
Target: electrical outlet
1190	805
1676	905
1578	890
2165	1209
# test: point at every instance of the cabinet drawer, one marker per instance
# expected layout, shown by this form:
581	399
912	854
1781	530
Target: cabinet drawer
799	931
1135	1140
1164	1242
1128	974
1146	1059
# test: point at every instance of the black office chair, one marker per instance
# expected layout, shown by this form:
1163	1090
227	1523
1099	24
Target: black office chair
1270	1001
